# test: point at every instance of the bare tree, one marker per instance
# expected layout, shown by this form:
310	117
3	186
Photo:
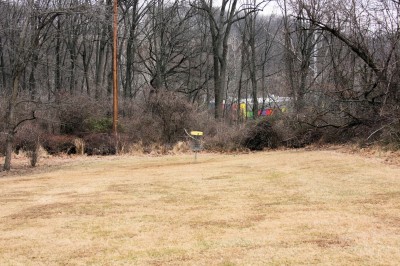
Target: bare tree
372	31
300	51
25	36
166	50
133	13
221	20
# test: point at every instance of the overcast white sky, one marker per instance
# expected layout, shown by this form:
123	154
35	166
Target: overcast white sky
270	8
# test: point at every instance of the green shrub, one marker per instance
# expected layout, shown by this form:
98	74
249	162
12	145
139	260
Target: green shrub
100	125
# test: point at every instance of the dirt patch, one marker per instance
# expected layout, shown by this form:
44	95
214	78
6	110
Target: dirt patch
40	211
330	243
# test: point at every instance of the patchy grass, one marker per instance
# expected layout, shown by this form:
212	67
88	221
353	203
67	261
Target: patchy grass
284	207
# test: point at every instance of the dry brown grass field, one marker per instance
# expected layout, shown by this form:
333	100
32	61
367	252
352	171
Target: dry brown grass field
293	207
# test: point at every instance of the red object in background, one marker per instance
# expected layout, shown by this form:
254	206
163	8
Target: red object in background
266	112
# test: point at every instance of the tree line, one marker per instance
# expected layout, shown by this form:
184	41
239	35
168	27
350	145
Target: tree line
337	60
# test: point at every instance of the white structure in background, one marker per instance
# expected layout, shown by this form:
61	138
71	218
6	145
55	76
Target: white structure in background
269	101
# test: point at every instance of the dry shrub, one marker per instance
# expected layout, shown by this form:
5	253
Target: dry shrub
157	149
21	156
136	149
139	148
79	146
142	128
28	143
56	144
77	113
280	129
292	131
35	154
180	147
390	135
161	120
287	129
43	153
172	113
27	139
260	135
297	131
222	137
123	143
100	144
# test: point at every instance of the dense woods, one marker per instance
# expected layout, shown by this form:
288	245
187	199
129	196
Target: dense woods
215	66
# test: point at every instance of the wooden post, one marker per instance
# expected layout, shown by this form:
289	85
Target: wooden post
115	76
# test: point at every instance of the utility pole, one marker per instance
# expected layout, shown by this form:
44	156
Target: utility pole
115	76
115	73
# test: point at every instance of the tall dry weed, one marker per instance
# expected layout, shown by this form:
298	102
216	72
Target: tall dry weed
79	146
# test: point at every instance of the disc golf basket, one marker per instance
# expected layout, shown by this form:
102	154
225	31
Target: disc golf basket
195	137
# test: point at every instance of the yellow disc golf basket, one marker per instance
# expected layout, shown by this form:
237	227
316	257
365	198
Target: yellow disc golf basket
196	137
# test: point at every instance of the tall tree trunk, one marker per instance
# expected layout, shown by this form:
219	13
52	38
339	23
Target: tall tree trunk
32	80
86	62
103	50
57	72
110	49
2	67
218	87
130	54
73	63
289	58
242	67
100	61
220	30
10	117
252	65
18	68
